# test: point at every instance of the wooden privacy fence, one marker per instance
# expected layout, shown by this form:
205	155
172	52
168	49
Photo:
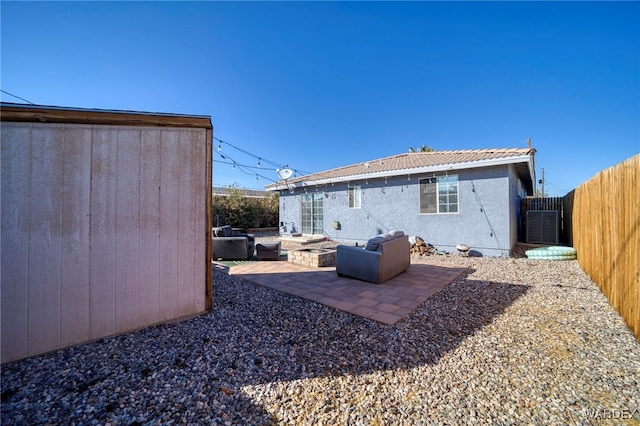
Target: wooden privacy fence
606	234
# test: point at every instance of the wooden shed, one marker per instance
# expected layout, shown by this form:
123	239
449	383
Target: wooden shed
105	223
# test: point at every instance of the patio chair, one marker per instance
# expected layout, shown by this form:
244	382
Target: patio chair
384	257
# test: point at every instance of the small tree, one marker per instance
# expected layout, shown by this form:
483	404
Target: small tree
423	148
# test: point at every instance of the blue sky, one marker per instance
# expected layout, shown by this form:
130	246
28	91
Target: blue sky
325	84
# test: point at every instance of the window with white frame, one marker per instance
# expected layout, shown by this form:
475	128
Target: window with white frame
355	197
439	194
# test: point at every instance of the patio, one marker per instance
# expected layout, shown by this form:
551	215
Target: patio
386	303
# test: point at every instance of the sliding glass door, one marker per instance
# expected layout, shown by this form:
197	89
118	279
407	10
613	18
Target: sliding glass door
312	214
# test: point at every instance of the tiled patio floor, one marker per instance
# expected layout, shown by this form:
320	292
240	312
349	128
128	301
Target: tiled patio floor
386	303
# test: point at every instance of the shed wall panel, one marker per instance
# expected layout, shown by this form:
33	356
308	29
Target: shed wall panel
149	244
169	219
43	312
104	156
15	161
103	231
127	226
187	223
74	270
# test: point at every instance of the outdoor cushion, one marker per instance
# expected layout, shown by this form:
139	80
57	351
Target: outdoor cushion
223	231
374	243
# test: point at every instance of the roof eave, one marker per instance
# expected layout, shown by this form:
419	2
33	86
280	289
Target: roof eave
532	174
12	112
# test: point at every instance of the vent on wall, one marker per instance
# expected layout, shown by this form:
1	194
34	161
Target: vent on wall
542	226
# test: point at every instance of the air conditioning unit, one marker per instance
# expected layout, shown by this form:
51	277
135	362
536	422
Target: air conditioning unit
542	227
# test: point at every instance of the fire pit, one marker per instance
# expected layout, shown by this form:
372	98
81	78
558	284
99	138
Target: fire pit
315	258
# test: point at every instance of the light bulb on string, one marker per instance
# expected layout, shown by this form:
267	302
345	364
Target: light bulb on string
259	162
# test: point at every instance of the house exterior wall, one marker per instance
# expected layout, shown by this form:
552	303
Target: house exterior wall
486	222
291	211
103	231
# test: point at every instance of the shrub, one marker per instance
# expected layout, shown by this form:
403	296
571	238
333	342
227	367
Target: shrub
245	212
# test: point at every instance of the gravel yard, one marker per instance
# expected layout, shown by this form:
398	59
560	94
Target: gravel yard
514	341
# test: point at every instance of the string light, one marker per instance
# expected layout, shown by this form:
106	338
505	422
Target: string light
259	158
17	97
244	168
230	161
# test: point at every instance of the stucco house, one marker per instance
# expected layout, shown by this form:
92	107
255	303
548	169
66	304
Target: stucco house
445	197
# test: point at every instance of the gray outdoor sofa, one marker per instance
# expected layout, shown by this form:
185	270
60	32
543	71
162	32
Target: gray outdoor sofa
384	257
229	245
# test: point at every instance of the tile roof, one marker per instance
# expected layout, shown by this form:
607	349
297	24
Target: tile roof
414	162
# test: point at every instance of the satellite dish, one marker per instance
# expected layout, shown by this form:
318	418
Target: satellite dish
284	173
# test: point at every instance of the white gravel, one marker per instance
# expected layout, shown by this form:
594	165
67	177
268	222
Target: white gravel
515	341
